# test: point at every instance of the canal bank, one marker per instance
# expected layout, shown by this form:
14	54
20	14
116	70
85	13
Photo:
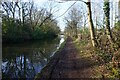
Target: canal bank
46	72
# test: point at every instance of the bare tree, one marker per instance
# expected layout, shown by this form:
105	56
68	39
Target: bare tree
107	19
73	18
6	10
25	12
10	8
48	12
119	10
92	32
84	17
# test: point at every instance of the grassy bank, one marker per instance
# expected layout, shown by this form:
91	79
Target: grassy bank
101	55
86	50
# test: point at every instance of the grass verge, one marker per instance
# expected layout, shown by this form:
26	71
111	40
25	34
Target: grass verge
101	55
86	50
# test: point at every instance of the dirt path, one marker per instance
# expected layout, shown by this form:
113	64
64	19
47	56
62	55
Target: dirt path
69	64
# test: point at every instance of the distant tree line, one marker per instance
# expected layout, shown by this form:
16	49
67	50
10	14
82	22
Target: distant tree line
23	21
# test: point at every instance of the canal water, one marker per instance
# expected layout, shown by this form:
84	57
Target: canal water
25	60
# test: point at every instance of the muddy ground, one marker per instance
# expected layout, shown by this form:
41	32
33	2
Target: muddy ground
68	64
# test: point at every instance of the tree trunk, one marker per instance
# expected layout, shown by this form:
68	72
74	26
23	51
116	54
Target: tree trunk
108	31
76	33
24	66
119	10
107	19
92	32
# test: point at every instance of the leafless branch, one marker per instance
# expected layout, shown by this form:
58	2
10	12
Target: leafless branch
65	11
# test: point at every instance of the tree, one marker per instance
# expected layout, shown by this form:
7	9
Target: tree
119	10
73	19
85	20
23	21
107	19
92	31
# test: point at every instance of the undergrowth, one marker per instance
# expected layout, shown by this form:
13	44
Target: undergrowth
107	55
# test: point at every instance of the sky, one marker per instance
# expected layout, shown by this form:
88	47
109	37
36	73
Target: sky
64	6
62	9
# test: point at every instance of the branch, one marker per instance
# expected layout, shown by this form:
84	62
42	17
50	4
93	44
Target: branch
84	2
70	7
65	11
45	20
76	0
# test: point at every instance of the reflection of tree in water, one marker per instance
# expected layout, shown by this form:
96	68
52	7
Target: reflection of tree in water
22	62
19	67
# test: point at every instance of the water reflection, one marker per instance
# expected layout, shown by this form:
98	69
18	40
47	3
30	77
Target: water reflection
27	59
